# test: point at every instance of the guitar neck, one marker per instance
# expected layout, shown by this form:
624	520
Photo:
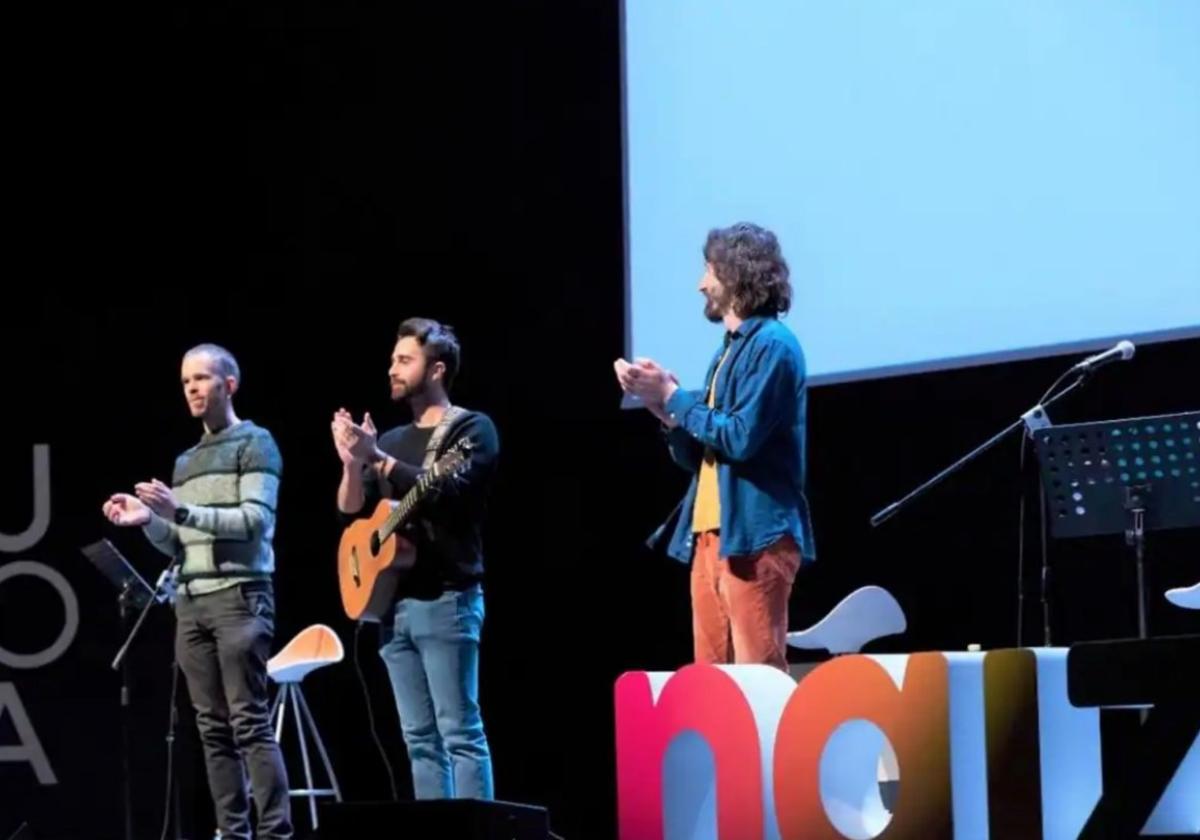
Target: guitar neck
404	508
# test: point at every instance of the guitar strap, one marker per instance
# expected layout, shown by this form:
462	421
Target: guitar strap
435	445
439	434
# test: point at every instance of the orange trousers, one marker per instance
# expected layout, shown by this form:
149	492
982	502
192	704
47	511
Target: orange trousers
740	604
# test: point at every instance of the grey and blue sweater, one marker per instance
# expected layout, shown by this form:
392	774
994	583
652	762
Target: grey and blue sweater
229	482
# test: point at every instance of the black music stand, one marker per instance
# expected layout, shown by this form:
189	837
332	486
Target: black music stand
1122	477
133	593
131	586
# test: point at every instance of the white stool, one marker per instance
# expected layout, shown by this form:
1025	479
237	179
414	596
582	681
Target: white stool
312	648
1187	597
862	616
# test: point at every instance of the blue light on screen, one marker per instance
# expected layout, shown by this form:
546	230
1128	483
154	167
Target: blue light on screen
952	182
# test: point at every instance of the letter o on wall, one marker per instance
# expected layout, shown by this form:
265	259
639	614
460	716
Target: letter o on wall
44	657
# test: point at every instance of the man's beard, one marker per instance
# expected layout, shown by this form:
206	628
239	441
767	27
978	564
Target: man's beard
414	390
714	310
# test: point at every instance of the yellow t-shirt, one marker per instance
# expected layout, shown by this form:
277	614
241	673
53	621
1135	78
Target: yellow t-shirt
706	515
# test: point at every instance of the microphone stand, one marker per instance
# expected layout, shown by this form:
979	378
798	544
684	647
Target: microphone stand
162	591
1033	419
126	599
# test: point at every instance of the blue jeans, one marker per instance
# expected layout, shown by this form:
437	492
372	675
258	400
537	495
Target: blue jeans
431	649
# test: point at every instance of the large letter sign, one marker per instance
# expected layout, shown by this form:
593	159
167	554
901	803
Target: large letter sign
987	745
28	747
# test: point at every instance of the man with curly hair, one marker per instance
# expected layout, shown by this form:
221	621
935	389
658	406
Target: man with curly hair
744	523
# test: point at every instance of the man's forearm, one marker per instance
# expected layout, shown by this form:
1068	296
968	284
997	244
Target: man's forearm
351	495
162	534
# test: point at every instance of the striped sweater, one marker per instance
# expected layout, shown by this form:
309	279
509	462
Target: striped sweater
229	482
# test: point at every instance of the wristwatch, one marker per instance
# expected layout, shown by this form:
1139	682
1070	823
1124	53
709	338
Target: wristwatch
181	514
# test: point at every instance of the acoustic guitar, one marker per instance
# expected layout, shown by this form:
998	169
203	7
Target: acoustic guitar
373	557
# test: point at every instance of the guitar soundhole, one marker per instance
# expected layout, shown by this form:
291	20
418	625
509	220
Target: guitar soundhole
375	542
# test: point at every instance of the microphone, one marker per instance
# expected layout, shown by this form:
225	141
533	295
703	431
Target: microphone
1122	351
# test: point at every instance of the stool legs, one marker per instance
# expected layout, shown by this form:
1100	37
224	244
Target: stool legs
291	694
316	733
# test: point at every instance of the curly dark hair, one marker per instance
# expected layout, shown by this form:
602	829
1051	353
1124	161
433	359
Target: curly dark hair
748	261
439	343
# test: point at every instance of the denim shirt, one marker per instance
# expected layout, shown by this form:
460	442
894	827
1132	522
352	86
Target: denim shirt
756	431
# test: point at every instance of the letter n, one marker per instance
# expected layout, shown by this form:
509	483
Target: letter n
652	711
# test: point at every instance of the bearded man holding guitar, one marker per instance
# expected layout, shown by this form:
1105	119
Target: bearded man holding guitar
428	545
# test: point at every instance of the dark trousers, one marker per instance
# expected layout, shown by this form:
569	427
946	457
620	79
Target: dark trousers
223	641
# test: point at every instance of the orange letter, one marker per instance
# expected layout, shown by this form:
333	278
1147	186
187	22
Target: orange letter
915	720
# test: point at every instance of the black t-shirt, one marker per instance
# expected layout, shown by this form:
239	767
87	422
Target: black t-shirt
447	528
407	443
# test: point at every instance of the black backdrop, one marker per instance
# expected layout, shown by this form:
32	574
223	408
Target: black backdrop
292	181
